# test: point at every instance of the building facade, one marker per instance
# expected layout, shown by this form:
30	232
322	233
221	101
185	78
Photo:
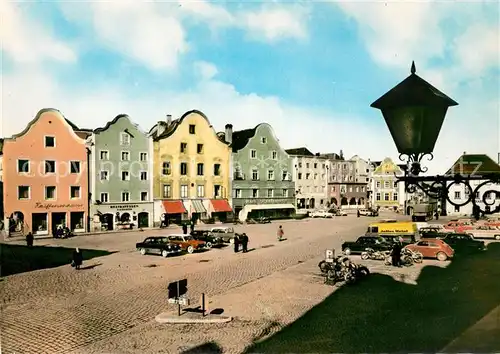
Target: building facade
46	176
262	179
191	179
470	165
386	193
121	176
310	173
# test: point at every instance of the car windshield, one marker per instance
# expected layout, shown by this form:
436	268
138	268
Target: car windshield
187	238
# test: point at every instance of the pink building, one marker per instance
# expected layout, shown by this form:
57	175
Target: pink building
45	176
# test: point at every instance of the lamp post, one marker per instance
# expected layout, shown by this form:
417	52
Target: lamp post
414	112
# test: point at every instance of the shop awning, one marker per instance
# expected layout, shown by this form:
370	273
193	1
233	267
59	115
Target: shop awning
221	206
270	206
197	206
173	207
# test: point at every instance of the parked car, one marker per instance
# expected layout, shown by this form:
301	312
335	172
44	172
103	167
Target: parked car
459	225
464	243
364	242
340	212
433	248
485	231
434	229
263	220
321	214
226	234
204	235
187	242
158	245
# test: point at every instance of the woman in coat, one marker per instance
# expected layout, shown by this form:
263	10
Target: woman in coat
77	258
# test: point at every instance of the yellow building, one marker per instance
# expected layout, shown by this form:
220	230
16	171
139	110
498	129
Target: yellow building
386	193
191	170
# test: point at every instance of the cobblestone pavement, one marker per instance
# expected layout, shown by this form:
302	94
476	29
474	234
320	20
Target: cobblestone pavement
60	309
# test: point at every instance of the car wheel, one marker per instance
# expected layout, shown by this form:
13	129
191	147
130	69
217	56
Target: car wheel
208	245
164	254
497	237
190	249
441	256
143	251
347	251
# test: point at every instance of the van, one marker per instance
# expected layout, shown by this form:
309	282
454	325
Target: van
394	228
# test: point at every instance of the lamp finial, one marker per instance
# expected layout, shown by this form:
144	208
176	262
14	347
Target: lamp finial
413	69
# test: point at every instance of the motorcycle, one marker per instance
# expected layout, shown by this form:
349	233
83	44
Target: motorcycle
417	257
342	269
406	260
370	253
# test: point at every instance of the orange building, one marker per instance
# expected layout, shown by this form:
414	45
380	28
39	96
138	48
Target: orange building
45	176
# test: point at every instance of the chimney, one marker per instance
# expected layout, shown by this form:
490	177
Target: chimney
169	119
229	133
341	155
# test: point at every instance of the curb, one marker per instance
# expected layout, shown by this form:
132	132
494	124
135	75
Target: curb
168	318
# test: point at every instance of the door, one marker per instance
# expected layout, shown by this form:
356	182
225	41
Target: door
58	219
143	219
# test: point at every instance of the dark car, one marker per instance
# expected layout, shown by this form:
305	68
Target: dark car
364	242
158	245
205	235
463	243
407	239
263	220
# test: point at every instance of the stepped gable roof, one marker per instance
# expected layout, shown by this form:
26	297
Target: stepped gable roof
474	164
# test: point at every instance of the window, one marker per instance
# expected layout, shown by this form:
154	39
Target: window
255	175
395	196
457	208
184	148
344	166
299	175
104	175
184	168
23	192
457	195
199	169
308	175
237	193
377	196
184	191
143	156
50	192
104	155
395	184
357	189
315	176
274	155
192	129
285	193
124	139
315	165
200	191
270	193
165	169
478	195
386	196
125	196
23	166
333	188
104	197
75	167
199	148
387	184
217	190
253	154
125	156
300	164
217	169
144	196
50	167
378	184
50	141
307	165
255	193
270	175
144	175
125	176
285	176
167	191
263	140
74	192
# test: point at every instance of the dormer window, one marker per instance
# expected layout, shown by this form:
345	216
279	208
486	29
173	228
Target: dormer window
50	141
192	129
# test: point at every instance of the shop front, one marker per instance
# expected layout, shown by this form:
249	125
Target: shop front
174	212
196	209
219	209
271	208
112	216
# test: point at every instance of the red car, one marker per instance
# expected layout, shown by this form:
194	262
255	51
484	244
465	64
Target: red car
433	248
458	226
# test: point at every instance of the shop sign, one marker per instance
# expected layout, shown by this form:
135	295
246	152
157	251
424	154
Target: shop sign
47	206
124	206
262	201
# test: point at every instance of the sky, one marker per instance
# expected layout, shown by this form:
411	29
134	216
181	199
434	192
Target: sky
310	69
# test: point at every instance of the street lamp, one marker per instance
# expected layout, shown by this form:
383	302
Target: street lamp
414	112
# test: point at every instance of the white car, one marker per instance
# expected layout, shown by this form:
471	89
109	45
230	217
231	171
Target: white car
321	214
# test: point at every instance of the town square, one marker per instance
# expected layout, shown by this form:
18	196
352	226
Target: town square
206	177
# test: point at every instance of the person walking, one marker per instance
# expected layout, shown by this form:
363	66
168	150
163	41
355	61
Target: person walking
192	226
396	254
77	258
359	214
280	233
236	241
244	242
163	222
29	239
184	229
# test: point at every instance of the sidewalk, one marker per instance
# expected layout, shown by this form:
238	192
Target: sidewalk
482	337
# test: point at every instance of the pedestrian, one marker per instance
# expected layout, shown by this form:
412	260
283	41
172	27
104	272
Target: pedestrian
244	242
396	254
359	214
162	220
185	228
29	239
192	226
280	233
236	241
77	258
436	215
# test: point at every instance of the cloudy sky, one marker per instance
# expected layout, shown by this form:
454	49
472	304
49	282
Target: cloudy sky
310	69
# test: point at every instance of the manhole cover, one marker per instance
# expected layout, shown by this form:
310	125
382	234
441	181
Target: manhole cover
267	246
204	260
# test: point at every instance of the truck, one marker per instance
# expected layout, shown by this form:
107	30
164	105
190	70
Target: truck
423	212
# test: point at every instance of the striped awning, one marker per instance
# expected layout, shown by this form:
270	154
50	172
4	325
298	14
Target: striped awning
197	206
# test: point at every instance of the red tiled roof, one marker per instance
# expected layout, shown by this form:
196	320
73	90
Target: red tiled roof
174	207
221	205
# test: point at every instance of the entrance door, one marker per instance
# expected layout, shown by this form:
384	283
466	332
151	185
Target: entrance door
107	220
143	219
57	219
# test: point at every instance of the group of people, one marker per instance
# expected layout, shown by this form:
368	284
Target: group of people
243	240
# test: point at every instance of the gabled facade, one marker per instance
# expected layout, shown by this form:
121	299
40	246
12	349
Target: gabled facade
46	176
192	178
121	176
345	186
472	165
310	173
385	192
262	180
